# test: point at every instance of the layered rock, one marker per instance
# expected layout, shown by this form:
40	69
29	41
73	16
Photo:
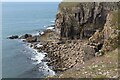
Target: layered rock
90	22
81	20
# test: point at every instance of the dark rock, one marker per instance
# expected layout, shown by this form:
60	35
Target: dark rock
46	55
13	37
82	20
52	25
25	36
61	42
46	59
48	70
31	39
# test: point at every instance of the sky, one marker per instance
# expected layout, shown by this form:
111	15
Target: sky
58	0
30	0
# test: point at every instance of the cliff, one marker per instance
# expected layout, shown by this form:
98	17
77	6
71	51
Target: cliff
92	21
81	20
93	29
85	41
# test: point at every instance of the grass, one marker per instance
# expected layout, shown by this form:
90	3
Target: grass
67	5
116	19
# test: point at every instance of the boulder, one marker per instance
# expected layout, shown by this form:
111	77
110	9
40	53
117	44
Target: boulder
46	59
89	52
13	37
25	36
31	39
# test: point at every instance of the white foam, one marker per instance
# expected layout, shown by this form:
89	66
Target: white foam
37	58
50	28
42	33
44	26
52	21
39	45
47	70
35	34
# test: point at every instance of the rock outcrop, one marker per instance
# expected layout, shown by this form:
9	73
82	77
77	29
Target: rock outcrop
81	20
89	22
13	37
25	36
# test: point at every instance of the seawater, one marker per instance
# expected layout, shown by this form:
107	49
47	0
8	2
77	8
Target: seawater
18	60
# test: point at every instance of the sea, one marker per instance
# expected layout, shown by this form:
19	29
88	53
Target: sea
18	18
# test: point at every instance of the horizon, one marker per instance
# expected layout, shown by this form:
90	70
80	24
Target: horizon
59	0
31	0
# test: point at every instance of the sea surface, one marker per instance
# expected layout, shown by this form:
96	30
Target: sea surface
18	60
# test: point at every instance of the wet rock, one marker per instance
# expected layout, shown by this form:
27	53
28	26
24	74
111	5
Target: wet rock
46	59
31	39
25	36
13	37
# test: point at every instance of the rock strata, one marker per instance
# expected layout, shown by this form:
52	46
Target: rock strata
81	20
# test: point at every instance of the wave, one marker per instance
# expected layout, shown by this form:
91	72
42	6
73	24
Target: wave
37	58
36	34
51	28
53	21
44	26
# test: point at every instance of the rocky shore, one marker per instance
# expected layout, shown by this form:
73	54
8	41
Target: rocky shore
61	55
82	32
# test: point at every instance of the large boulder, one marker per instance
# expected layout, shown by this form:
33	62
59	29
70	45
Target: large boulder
31	39
89	52
13	37
25	36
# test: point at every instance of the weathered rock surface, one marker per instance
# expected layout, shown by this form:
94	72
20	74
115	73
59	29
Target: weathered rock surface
81	20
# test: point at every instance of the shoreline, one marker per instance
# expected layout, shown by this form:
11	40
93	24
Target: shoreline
40	56
53	47
38	59
80	34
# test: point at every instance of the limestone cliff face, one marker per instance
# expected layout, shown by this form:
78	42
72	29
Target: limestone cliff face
82	20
